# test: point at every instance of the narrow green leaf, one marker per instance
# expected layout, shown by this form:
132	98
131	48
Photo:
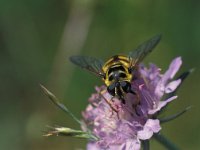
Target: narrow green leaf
172	117
165	142
55	100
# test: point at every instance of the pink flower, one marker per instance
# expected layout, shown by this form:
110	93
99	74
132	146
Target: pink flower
132	123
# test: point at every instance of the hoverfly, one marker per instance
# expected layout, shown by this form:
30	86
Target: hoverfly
118	71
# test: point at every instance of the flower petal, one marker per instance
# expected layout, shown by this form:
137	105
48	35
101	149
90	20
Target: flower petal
132	144
173	68
172	86
161	104
145	134
154	124
150	127
169	74
92	146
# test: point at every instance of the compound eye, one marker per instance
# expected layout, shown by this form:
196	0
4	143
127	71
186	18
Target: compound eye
122	75
123	84
126	86
111	78
111	89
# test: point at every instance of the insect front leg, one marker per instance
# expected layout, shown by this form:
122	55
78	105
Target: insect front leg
110	103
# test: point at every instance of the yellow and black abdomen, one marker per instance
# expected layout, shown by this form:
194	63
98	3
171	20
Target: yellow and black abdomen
117	68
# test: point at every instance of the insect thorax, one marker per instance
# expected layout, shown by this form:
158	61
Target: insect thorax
117	65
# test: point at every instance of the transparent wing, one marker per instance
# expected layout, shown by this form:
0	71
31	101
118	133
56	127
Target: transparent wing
142	50
89	63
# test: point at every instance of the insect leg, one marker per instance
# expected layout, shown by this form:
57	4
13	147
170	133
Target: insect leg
109	102
123	100
136	104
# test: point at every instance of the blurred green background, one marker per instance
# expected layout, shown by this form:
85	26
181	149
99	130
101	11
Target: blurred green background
38	36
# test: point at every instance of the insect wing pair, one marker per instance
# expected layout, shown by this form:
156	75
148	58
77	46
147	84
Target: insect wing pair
117	71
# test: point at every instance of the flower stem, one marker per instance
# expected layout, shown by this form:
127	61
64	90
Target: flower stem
165	142
146	145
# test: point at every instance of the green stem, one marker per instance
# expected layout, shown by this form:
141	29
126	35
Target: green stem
146	145
165	142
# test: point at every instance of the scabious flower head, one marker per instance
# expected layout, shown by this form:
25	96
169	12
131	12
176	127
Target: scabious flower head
133	121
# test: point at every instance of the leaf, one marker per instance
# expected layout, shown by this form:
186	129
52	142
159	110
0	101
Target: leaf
172	117
55	100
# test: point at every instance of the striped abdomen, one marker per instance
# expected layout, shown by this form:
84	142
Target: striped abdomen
117	69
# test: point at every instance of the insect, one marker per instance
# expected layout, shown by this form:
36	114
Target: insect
118	71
